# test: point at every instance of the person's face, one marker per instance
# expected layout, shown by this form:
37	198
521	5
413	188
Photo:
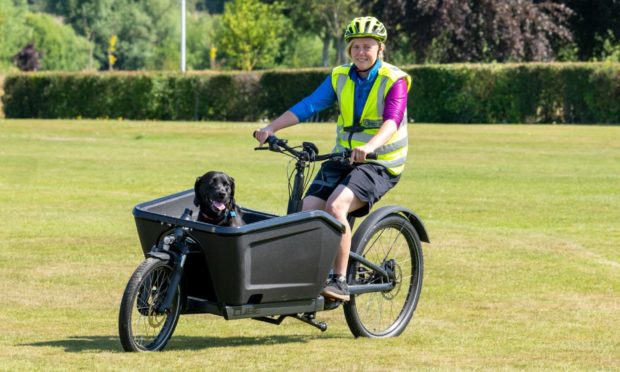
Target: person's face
364	52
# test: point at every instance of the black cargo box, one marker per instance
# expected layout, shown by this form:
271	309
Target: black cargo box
270	259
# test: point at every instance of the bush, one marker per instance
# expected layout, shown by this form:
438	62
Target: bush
61	48
282	89
516	93
494	93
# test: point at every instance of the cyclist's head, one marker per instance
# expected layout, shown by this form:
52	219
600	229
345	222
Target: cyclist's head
365	27
363	30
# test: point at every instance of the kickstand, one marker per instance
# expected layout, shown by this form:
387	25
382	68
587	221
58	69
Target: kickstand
275	321
308	318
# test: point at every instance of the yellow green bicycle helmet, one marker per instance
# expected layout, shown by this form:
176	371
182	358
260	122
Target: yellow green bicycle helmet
365	27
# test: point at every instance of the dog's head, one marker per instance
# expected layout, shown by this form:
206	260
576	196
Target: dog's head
215	194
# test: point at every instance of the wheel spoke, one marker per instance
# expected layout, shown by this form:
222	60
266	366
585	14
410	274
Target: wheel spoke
391	244
148	328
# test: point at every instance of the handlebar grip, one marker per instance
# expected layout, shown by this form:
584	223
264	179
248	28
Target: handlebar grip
369	156
271	140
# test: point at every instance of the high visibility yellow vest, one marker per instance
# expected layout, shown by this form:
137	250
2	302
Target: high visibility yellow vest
391	155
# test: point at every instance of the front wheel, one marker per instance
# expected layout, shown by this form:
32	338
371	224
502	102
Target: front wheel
393	244
142	327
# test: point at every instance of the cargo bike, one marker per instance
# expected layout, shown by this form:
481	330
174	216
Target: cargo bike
272	267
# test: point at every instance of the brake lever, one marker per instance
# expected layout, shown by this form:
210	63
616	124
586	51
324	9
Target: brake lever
311	150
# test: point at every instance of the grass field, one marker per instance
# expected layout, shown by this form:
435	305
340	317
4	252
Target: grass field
523	271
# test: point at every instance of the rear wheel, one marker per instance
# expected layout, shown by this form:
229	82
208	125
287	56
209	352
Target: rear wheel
394	245
142	327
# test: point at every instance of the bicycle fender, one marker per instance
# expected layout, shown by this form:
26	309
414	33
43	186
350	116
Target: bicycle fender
382	212
164	256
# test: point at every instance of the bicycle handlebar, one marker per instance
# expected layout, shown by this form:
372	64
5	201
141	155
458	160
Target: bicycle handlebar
309	152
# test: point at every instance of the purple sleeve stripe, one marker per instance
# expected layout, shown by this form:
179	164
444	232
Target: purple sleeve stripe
396	102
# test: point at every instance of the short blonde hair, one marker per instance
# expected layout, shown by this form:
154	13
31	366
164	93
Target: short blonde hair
381	48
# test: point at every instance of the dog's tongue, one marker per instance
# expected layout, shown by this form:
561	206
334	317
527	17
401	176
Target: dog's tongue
218	205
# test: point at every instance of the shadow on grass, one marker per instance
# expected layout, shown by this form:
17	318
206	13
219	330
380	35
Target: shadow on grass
76	344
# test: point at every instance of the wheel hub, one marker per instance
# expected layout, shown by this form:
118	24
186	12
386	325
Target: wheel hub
393	267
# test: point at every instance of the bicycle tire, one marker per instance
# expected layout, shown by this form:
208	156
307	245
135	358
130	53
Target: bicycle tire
141	326
391	241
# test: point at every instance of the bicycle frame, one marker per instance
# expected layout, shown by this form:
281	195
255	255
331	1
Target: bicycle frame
195	268
295	204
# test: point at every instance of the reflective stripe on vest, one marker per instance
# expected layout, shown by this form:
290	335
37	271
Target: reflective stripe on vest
393	154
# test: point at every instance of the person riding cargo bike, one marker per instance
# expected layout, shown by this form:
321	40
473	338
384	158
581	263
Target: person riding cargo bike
372	100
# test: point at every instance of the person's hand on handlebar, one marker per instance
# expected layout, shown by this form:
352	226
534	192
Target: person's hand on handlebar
262	134
358	154
285	120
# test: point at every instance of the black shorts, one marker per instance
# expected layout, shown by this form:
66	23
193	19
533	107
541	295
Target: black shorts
368	181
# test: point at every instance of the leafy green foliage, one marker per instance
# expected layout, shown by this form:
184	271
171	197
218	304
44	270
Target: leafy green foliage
302	51
477	31
593	23
147	31
13	31
97	21
61	48
509	93
200	40
149	35
282	89
422	31
251	33
326	19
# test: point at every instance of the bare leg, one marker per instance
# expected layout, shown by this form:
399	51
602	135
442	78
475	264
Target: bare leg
340	203
313	203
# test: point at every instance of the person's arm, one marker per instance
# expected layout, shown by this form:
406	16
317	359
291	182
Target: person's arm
395	106
396	102
283	121
387	130
322	98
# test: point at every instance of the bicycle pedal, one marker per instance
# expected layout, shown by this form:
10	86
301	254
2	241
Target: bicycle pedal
331	303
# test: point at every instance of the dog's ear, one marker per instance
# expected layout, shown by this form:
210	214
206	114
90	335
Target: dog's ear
197	191
232	189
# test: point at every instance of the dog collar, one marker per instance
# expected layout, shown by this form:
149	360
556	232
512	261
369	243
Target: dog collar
230	214
206	217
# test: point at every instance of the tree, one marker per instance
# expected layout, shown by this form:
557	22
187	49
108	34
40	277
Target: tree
327	19
200	40
12	31
61	48
96	20
147	31
251	33
593	23
148	35
27	59
477	30
212	6
57	45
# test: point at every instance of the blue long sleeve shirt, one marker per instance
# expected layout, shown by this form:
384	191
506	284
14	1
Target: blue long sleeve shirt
325	96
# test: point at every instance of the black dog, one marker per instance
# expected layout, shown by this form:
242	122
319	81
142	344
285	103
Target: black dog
215	195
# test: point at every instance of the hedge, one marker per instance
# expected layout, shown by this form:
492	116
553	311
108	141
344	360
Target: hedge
461	93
